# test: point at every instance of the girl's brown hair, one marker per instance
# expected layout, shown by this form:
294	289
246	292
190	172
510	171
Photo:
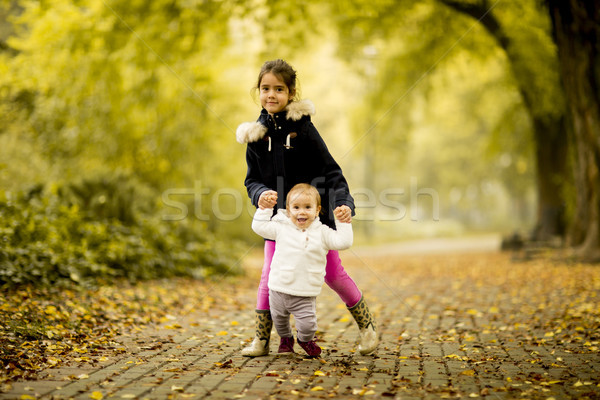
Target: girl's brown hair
283	71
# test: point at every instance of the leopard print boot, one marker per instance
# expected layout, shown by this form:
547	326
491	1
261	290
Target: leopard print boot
366	324
260	344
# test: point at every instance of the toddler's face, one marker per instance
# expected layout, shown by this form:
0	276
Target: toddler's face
303	210
274	94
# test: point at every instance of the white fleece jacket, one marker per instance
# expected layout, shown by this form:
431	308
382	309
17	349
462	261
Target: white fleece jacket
298	266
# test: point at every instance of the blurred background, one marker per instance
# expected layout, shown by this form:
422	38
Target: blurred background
118	118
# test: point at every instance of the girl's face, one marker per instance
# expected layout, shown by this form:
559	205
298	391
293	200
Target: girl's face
274	93
303	210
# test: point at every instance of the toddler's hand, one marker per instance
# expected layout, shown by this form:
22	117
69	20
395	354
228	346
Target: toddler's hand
267	199
343	214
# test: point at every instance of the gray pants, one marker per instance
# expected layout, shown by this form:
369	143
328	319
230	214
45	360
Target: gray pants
304	310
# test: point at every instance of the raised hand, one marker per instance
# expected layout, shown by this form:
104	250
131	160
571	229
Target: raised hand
267	199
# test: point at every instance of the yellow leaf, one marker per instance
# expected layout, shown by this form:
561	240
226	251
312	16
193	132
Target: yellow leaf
96	395
344	319
177	388
472	311
317	388
50	310
222	333
493	310
26	397
319	373
468	372
234	323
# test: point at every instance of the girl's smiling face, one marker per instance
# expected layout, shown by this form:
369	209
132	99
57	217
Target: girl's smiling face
303	210
274	94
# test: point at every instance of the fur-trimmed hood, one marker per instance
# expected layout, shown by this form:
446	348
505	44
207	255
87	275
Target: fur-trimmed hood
249	132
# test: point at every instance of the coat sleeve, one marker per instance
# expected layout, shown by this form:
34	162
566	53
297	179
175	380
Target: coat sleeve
338	239
253	182
329	169
263	225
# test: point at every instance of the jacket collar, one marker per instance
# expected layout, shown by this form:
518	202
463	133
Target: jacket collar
249	132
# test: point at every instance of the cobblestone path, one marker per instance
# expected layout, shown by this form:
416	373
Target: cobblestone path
451	325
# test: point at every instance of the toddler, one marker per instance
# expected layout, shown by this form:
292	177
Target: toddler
298	267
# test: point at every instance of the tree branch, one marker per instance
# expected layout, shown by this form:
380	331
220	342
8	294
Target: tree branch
481	12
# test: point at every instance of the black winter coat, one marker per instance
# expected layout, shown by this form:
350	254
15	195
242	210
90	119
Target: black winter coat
286	149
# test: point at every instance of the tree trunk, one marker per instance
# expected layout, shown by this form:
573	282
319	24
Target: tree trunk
551	166
576	25
550	141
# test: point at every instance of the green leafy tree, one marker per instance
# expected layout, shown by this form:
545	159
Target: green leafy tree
437	81
522	30
124	85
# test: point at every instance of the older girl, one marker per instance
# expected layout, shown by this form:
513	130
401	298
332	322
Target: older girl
283	149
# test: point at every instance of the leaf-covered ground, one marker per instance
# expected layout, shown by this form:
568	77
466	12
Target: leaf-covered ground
46	328
451	325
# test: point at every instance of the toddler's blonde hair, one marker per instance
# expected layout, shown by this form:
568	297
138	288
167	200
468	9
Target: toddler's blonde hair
303	188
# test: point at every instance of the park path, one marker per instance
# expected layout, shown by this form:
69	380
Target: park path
456	320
